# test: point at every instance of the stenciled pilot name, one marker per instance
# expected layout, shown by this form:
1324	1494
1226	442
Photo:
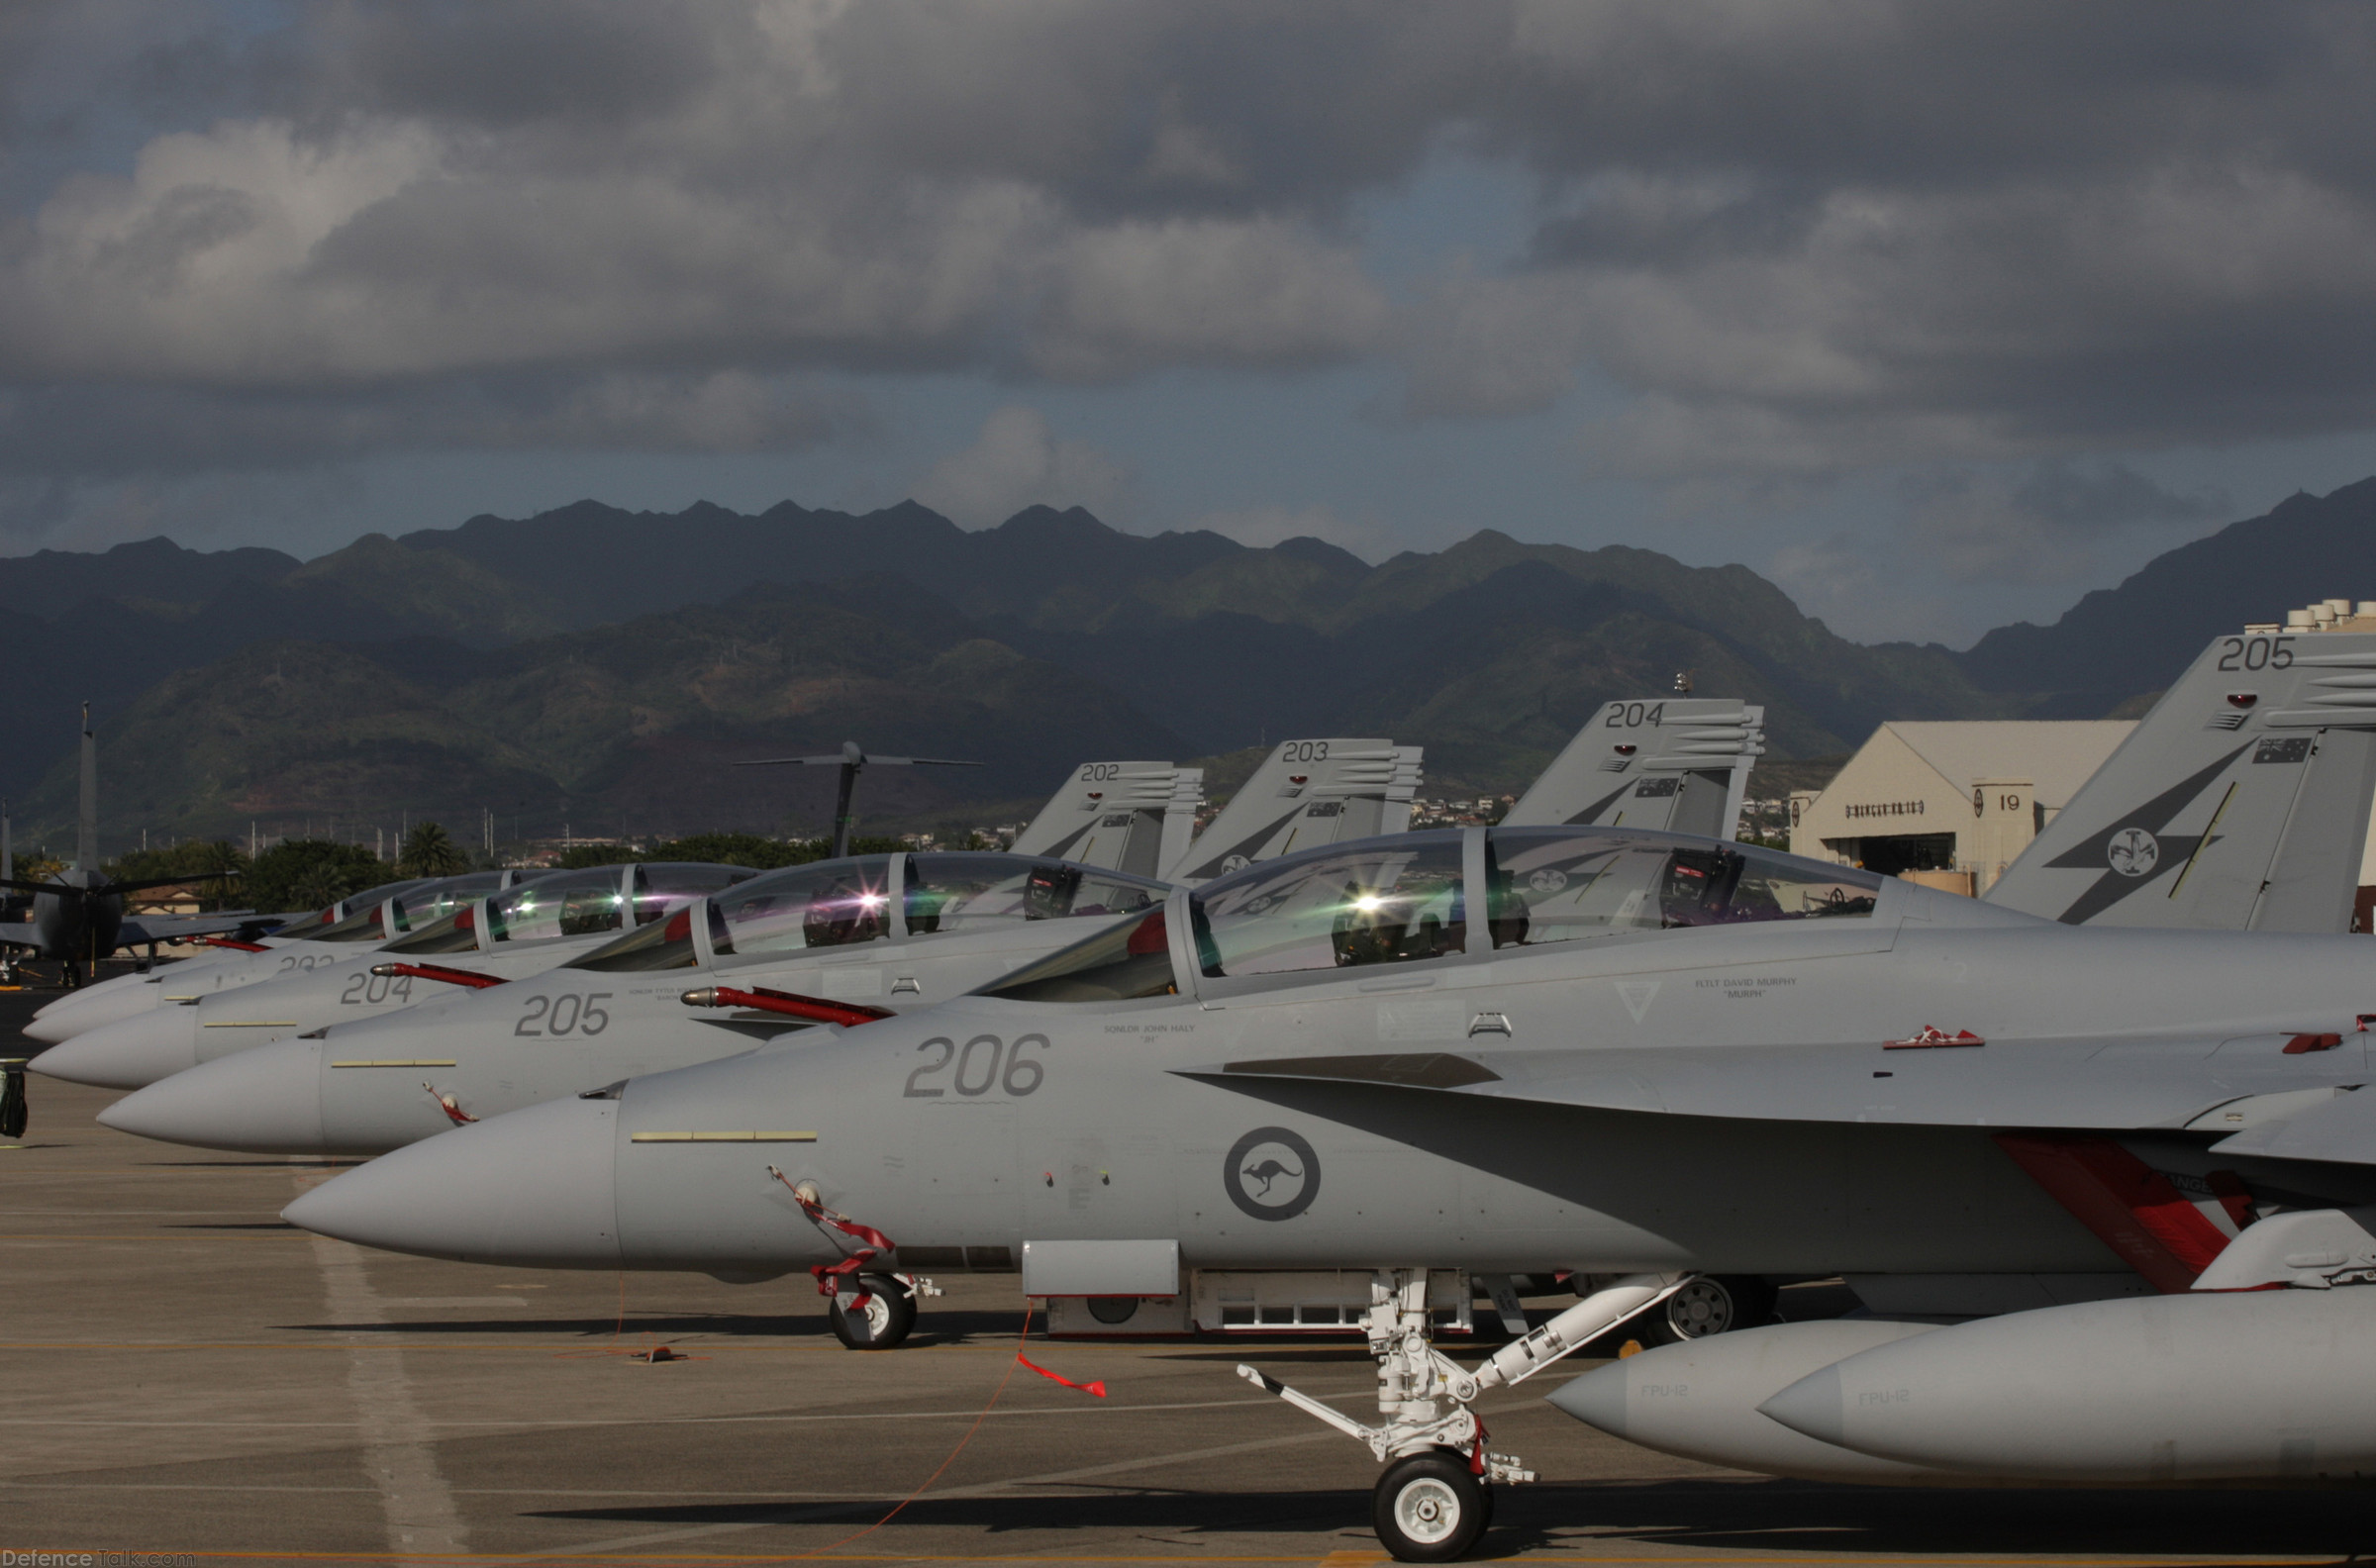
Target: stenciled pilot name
1745	988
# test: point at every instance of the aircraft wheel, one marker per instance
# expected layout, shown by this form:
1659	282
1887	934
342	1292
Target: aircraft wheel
1427	1507
882	1322
1713	1303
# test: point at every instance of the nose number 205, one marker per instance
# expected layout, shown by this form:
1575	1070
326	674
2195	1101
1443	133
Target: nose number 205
979	1065
560	1015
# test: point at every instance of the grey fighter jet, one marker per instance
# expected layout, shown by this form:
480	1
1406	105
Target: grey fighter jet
833	940
483	943
1306	793
1651	1056
2240	802
1677	764
354	925
1134	817
980	912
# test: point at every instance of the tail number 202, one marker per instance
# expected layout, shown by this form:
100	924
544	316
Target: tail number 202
978	1066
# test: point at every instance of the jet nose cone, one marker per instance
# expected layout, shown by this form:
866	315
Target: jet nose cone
130	1053
126	996
266	1100
1813	1407
56	1026
531	1189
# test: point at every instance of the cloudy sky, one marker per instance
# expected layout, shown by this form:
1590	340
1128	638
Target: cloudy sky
1937	315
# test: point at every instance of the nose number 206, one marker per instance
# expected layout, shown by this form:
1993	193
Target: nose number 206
983	1063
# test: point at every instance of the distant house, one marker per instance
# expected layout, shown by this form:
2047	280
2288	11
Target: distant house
1952	805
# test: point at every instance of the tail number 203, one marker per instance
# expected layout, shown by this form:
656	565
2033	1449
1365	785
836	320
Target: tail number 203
983	1063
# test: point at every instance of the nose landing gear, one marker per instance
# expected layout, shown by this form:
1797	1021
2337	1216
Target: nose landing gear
879	1312
1427	1507
1436	1498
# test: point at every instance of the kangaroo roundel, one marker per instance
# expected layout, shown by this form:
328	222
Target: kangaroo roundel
1271	1173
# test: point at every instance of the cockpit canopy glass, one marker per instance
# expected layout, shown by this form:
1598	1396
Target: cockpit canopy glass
566	904
417	904
371	898
1377	900
417	907
947	893
1123	961
1568	884
825	904
661	886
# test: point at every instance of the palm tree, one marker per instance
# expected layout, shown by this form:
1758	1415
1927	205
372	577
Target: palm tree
429	851
218	862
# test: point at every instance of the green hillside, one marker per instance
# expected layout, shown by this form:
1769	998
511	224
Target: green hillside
602	670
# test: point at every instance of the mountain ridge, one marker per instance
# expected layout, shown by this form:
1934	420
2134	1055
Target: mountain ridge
589	658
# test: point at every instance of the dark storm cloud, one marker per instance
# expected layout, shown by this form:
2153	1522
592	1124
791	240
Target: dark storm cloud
1800	240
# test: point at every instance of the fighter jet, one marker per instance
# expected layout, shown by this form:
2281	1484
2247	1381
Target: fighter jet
352	924
2239	803
1680	764
476	943
934	927
831	941
1134	817
1651	1057
77	916
1306	793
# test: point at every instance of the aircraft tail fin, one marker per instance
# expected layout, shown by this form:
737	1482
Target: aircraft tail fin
2239	803
1680	764
1134	817
1307	793
87	823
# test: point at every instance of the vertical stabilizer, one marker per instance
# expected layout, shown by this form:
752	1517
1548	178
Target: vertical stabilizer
2239	803
1134	817
1680	764
1307	793
86	821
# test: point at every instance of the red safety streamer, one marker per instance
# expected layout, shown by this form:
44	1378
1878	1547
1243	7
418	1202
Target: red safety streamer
872	1243
235	944
448	1103
1095	1389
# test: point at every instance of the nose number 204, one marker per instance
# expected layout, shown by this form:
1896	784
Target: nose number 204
983	1063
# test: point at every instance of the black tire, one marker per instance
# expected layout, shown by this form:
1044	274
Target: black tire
1712	1303
882	1322
1429	1508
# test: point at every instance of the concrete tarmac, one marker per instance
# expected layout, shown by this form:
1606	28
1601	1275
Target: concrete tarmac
182	1373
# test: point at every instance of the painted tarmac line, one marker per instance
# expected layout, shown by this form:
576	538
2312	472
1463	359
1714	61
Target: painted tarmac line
1026	1559
470	1424
397	1452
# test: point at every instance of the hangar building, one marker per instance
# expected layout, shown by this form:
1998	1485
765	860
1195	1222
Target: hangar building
1950	804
